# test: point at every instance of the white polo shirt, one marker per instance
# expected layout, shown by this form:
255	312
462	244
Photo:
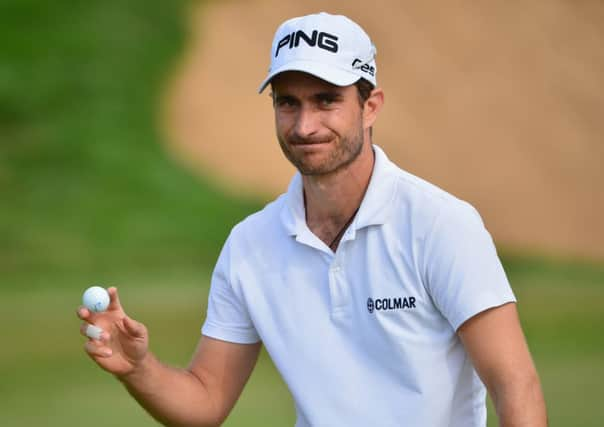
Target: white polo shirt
365	336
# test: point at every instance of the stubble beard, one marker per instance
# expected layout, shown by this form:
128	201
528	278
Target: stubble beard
346	149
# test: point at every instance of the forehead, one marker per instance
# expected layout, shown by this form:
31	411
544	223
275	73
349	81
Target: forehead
299	82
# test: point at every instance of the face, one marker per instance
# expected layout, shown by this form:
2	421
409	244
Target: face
319	126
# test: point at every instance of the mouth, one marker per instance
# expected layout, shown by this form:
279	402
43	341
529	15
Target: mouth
307	144
304	143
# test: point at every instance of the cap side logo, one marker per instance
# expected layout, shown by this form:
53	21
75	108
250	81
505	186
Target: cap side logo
321	39
363	66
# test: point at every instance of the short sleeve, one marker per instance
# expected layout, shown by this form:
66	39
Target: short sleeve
462	271
227	317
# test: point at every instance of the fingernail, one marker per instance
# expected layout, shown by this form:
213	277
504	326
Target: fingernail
107	352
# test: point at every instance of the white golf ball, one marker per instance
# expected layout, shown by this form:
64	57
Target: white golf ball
96	299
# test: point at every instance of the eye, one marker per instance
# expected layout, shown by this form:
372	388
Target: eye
285	102
327	99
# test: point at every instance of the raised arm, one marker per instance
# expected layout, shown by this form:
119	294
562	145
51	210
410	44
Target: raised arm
495	342
203	394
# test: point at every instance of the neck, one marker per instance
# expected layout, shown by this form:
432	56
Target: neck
332	199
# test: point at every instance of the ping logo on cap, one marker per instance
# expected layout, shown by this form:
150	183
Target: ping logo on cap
321	39
330	47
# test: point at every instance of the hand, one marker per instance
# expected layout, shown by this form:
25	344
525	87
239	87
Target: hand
124	342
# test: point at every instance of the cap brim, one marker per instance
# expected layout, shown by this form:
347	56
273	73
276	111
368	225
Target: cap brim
328	73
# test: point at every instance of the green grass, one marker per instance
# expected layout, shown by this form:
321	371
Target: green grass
87	187
88	195
560	305
43	366
48	380
562	315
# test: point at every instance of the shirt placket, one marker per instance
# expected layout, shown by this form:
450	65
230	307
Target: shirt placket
339	289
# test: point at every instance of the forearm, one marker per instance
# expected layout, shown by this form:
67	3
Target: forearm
520	403
173	396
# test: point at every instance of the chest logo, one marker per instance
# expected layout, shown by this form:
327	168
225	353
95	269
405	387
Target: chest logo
387	304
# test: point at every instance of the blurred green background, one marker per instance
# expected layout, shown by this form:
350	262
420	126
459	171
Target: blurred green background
88	195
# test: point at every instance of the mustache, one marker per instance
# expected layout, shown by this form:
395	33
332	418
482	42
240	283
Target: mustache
318	139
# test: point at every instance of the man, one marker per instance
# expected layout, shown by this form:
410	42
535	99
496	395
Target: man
379	297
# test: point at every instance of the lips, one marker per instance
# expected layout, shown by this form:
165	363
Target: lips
296	141
310	143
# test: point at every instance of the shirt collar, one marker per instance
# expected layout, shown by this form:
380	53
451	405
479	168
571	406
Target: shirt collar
375	208
293	214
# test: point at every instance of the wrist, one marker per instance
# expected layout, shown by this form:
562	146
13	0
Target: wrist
139	370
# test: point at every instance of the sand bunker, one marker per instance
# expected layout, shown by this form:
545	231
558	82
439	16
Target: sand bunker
500	105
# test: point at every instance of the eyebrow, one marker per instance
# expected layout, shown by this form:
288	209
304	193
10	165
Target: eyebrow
331	95
281	98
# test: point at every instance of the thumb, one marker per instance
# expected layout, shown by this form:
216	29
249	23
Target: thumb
134	328
114	299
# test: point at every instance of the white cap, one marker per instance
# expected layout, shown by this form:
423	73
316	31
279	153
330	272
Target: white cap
330	47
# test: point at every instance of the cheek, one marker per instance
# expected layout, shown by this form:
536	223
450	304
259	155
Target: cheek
281	120
341	121
283	123
279	127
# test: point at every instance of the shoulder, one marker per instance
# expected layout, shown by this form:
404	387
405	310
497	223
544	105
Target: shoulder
429	195
450	229
426	205
254	243
411	194
261	225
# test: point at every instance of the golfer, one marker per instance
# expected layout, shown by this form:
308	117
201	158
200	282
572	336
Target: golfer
379	297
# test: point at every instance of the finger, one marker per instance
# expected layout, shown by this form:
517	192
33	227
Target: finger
89	330
83	313
97	349
87	315
134	328
83	328
114	299
94	332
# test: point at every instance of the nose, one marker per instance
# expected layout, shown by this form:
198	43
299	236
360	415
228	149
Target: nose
307	122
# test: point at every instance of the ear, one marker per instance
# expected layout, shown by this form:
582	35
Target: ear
372	107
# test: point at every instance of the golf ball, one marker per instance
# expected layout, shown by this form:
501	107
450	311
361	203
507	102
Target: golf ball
96	299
